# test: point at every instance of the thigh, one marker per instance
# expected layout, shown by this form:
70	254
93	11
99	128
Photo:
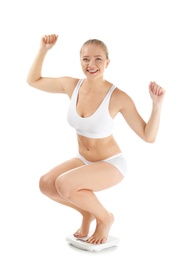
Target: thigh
95	176
66	166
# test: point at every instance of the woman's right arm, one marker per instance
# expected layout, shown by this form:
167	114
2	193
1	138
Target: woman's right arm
53	85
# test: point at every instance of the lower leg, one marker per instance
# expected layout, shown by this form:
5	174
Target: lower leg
101	232
83	231
88	202
78	188
47	187
87	218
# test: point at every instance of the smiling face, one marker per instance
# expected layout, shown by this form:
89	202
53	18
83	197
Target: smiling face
94	60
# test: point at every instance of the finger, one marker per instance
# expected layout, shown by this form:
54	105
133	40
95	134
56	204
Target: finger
157	89
154	88
55	37
161	91
151	86
49	39
52	38
44	38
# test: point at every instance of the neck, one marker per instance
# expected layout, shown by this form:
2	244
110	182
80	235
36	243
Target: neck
92	83
95	86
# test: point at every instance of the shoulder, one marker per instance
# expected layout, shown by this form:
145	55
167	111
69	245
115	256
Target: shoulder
68	84
120	95
121	100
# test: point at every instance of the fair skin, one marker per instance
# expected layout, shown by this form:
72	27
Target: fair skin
72	183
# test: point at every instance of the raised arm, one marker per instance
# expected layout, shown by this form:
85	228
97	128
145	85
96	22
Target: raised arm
35	79
147	131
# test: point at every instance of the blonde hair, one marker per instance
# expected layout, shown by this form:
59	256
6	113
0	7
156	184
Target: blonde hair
97	42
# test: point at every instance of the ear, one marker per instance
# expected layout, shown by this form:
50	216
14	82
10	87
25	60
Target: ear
107	62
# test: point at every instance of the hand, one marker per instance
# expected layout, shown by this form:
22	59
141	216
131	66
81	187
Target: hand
48	41
157	93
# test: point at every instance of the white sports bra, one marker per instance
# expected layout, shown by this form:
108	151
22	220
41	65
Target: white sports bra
99	124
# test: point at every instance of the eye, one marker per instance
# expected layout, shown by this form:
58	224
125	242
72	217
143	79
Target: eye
85	59
98	59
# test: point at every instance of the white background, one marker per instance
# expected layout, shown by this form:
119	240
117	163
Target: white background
144	41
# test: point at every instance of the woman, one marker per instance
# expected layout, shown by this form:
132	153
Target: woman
99	164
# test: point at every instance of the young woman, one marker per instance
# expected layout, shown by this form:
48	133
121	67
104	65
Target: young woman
99	164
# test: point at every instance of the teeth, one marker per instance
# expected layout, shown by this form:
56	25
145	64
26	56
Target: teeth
92	70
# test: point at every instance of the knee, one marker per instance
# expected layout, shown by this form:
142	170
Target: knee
64	187
46	185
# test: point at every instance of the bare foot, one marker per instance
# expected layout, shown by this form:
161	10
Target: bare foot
102	230
84	229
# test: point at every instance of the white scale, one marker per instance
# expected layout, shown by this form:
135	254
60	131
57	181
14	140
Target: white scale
82	244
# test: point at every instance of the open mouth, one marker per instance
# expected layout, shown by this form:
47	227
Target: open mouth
92	71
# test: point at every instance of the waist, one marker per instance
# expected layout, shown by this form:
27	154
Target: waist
97	149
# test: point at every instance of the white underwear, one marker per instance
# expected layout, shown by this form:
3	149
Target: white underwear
117	160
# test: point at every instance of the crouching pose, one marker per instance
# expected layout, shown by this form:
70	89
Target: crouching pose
99	163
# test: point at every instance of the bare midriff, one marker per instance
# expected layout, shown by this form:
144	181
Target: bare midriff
97	149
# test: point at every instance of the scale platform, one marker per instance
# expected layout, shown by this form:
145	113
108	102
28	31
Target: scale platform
82	244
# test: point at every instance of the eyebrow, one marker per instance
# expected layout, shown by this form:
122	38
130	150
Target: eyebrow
86	56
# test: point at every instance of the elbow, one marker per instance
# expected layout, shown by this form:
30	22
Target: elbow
150	140
29	82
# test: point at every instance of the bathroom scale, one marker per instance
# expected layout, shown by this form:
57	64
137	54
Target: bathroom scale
82	244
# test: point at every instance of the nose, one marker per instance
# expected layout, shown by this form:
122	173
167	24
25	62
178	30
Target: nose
91	63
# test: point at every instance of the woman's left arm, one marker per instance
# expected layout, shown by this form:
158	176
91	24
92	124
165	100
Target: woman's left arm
157	94
146	130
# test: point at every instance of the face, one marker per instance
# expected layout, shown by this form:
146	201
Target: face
93	61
